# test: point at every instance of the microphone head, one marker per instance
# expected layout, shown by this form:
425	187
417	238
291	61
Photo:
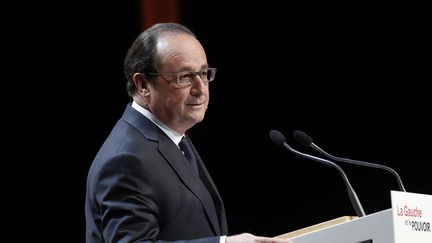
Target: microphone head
302	138
277	137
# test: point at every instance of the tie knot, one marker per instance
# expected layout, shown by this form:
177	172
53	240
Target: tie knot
186	147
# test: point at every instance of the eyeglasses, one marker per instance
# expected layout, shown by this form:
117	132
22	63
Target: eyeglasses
187	78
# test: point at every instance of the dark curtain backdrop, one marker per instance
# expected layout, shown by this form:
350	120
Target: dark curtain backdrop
354	78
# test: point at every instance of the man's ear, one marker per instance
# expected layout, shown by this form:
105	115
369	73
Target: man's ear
141	83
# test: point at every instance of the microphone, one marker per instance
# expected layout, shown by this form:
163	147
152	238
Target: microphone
303	139
280	140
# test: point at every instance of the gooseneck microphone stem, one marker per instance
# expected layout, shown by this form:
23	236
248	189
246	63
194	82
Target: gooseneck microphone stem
351	193
306	141
358	162
280	140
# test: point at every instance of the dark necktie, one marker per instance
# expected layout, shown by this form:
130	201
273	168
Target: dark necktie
186	146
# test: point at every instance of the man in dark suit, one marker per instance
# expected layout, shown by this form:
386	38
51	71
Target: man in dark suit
141	186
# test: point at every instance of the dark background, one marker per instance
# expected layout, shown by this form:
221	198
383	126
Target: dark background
353	77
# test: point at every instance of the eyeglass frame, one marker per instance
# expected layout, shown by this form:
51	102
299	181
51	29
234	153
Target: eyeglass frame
179	74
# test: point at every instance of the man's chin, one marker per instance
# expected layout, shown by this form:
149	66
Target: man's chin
197	117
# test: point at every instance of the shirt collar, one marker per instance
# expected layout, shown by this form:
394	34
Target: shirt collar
173	135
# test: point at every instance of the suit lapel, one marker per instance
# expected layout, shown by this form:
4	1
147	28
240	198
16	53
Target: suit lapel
177	161
207	180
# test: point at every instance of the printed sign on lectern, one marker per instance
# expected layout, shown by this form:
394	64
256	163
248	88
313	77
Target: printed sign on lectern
412	217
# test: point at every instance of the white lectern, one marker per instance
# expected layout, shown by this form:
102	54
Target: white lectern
408	221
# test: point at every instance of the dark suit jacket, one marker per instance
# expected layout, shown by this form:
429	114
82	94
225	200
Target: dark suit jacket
140	188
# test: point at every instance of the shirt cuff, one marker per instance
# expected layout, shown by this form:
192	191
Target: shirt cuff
222	239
